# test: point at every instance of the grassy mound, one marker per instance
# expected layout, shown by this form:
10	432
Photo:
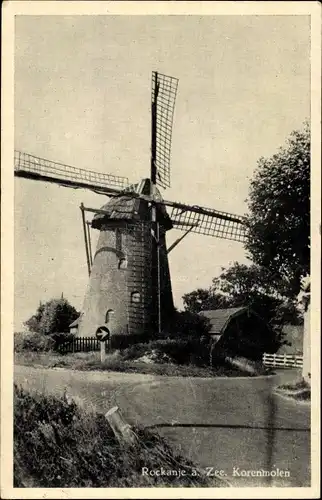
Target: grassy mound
299	390
296	385
56	444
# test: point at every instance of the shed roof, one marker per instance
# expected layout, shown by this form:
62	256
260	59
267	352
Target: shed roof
220	317
75	323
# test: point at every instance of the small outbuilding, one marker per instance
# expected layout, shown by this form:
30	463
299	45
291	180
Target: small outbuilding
73	327
239	331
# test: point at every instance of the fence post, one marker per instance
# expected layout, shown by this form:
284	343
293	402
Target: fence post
103	351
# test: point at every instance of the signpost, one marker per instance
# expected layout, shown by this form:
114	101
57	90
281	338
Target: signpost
103	335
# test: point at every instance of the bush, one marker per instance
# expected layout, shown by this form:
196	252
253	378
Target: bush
60	338
32	341
187	324
125	341
58	445
181	351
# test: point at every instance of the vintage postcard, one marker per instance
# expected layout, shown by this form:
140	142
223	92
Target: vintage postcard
161	247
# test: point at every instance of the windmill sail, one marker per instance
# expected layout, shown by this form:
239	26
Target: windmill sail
32	167
130	286
208	221
164	91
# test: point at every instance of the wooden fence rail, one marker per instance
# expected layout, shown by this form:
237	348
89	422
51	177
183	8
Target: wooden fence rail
283	360
80	344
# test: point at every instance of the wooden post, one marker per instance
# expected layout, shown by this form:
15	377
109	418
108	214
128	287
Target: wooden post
103	351
89	243
120	427
304	299
306	366
85	239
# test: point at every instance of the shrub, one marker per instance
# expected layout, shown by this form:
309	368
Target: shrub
187	324
181	351
60	338
125	341
32	341
135	351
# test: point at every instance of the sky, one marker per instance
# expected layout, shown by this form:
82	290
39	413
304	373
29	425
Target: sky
82	97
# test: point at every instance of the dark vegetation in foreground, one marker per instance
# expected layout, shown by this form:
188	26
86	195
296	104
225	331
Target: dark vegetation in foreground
56	444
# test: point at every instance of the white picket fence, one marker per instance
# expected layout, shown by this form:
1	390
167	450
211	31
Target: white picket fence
283	360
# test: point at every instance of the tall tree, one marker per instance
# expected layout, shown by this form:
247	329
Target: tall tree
203	299
279	205
33	323
53	316
253	286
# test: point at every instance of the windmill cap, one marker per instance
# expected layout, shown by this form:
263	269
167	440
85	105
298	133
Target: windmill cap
125	208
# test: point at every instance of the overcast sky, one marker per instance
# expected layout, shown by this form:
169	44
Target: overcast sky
82	97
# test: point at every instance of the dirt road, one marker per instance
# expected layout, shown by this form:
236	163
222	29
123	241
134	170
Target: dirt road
231	424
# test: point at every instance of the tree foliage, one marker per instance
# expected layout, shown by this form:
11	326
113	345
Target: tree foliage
256	287
33	323
279	205
188	324
242	285
203	299
53	316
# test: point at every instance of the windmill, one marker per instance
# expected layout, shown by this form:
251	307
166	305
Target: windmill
129	285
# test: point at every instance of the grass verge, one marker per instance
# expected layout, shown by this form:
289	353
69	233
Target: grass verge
298	390
56	445
91	361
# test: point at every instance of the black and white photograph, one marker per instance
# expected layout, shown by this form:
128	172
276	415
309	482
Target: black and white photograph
161	194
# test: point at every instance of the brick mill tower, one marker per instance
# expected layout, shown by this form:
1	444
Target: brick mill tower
128	280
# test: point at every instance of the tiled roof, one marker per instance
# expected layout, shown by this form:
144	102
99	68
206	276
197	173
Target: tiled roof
220	317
